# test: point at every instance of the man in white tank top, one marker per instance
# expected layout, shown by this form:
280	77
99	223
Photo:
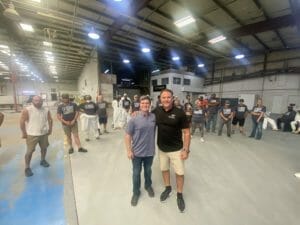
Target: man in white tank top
36	125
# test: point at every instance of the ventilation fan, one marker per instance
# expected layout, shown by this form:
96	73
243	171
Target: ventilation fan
11	13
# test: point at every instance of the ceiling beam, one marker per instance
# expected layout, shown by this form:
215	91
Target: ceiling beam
295	8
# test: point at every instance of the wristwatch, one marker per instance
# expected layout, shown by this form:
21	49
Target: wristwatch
186	150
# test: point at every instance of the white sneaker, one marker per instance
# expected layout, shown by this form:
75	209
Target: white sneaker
202	140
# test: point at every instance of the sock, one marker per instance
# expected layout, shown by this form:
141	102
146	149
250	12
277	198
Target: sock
179	195
168	188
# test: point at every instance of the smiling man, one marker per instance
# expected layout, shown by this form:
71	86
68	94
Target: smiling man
172	123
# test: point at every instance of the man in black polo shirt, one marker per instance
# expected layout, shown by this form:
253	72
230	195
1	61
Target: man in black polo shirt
67	114
171	123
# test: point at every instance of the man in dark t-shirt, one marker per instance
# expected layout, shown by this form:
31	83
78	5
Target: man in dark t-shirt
257	113
135	105
173	149
102	113
226	114
241	113
67	114
213	107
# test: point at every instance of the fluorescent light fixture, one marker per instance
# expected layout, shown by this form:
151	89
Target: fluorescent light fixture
201	65
32	79
184	21
92	34
118	0
217	39
4	46
55	77
240	56
46	43
56	80
54	72
126	61
27	27
6	78
39	1
155	71
145	50
106	71
47	53
4	66
175	58
6	52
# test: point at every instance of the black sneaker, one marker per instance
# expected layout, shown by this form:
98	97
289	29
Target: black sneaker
165	194
180	203
97	138
82	150
28	172
71	150
44	163
134	200
150	191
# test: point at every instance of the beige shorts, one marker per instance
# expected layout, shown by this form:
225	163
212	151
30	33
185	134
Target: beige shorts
32	141
173	158
71	129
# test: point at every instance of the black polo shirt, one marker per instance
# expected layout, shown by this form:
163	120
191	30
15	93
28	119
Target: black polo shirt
170	125
89	108
67	111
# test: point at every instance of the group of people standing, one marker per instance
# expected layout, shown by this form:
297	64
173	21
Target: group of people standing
36	124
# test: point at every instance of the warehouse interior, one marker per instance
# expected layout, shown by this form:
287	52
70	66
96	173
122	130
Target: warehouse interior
234	48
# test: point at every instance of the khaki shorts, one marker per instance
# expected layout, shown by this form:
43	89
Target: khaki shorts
71	129
32	141
165	158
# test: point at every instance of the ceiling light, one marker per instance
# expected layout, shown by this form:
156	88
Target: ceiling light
184	21
118	0
55	77
27	27
126	61
6	78
48	53
92	34
106	71
175	58
145	50
155	71
39	1
240	56
46	43
32	79
217	39
201	65
56	80
4	46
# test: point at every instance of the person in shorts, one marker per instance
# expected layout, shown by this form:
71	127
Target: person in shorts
36	125
240	116
67	114
102	114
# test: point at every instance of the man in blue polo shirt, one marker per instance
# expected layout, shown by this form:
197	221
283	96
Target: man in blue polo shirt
140	146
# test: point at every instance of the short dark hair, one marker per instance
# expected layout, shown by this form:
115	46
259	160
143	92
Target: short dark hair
65	96
241	100
145	97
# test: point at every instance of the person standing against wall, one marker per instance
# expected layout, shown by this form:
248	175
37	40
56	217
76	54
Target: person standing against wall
173	140
36	125
140	146
257	113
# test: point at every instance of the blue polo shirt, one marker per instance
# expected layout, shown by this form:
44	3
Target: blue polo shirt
142	130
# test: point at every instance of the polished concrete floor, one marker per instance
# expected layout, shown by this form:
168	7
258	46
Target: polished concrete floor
229	181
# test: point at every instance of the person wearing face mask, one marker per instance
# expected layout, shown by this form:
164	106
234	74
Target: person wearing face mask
286	119
36	125
89	122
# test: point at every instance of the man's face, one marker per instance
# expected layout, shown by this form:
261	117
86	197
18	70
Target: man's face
65	100
37	101
145	105
100	98
166	99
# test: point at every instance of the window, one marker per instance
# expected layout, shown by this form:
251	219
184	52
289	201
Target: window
165	80
186	82
154	82
176	80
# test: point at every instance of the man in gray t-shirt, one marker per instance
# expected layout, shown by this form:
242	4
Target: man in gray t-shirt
140	145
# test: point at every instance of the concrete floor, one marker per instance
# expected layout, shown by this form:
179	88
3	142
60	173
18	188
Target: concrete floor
229	181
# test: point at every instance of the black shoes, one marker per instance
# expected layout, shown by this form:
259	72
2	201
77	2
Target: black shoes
150	191
180	202
165	194
82	150
71	150
28	172
44	163
134	200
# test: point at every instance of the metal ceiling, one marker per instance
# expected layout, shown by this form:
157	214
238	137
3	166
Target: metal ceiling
252	27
